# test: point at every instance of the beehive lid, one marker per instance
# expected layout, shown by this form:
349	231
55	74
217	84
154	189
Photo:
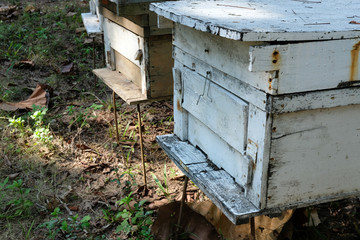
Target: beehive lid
267	20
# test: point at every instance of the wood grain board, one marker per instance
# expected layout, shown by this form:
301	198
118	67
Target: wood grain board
267	20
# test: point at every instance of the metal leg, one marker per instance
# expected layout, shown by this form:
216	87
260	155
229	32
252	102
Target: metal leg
103	50
94	57
142	147
115	116
183	198
252	228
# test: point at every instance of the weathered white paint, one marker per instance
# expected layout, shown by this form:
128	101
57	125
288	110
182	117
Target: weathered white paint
92	24
218	151
266	20
309	66
301	98
124	41
315	100
314	155
201	96
219	52
232	84
180	114
217	184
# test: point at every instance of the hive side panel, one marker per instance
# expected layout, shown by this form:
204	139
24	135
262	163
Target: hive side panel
180	114
128	68
314	156
229	56
160	66
257	151
218	151
309	66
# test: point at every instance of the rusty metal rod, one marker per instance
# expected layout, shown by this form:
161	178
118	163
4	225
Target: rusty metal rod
103	50
142	147
115	116
252	228
183	198
94	57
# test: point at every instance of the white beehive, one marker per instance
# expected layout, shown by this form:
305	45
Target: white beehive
93	20
266	101
138	53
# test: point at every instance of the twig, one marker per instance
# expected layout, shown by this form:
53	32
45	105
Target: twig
226	5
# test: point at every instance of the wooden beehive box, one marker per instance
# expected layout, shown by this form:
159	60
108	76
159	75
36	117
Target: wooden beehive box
93	20
266	101
138	53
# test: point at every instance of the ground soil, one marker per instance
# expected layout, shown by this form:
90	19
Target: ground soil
87	170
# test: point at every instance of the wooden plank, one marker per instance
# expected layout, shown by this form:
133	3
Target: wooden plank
132	23
316	100
266	20
218	185
232	84
314	156
129	69
164	22
153	24
309	66
123	87
258	147
92	24
127	9
124	41
160	66
219	52
212	105
219	152
180	114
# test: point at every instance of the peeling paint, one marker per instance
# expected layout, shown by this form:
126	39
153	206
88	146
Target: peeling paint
354	62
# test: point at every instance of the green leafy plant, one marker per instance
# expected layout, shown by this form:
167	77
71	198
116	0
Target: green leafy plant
69	228
163	187
19	204
135	221
81	116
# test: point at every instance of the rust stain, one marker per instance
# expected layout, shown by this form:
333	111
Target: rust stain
275	57
354	62
270	86
179	106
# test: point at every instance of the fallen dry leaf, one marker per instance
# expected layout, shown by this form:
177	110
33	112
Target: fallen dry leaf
40	97
13	176
24	64
70	14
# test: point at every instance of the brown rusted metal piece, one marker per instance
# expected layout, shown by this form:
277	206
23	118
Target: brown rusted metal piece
354	62
252	228
115	117
183	198
141	146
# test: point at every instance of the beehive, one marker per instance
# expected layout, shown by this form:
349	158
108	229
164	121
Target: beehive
138	53
266	101
92	20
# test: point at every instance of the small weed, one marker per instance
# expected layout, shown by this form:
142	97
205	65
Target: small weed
81	116
19	204
135	221
69	228
162	187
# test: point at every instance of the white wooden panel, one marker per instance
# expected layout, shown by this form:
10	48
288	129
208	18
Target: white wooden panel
314	155
222	112
315	100
258	145
266	20
229	56
309	66
233	85
180	114
124	41
218	151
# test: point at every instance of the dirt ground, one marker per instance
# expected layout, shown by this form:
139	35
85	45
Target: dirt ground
82	170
